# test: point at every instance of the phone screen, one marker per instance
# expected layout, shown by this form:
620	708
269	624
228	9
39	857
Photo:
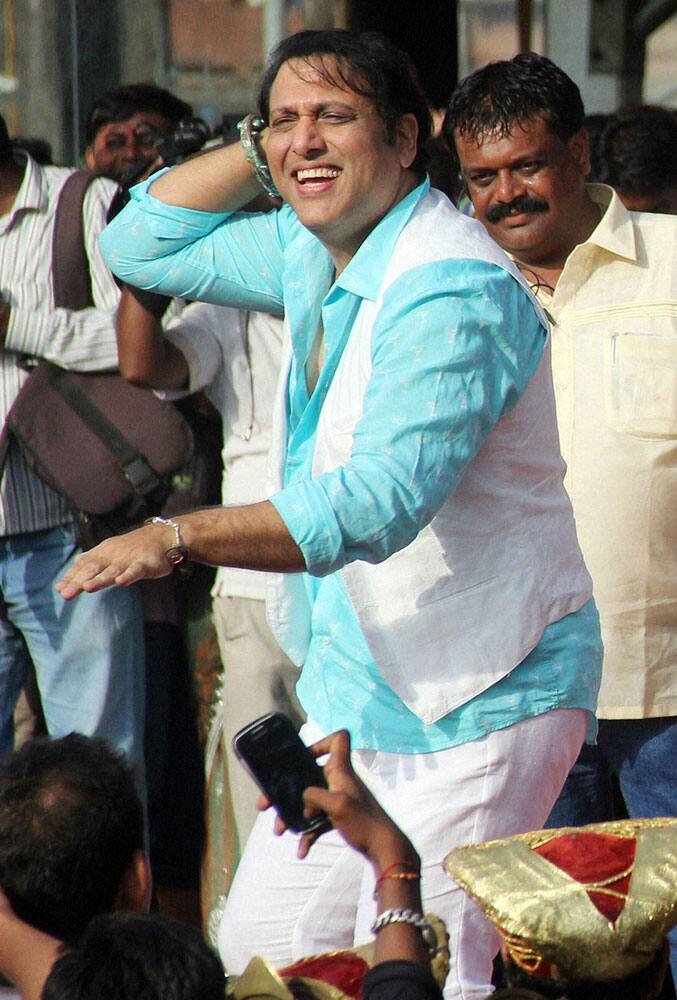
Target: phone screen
282	767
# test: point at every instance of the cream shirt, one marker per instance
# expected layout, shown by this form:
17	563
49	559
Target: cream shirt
614	356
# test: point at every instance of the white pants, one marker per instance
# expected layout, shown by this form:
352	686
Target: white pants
505	783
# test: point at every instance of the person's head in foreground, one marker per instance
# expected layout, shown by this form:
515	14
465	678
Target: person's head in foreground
124	125
348	123
137	956
71	834
583	913
517	130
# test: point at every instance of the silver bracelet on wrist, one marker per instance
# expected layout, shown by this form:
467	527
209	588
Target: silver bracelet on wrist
250	128
177	554
408	917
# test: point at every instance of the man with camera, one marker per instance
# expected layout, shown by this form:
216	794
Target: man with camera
88	661
124	127
427	572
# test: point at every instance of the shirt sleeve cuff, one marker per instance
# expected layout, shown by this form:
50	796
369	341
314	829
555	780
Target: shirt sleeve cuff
312	523
27	332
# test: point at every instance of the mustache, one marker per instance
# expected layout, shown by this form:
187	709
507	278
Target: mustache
523	204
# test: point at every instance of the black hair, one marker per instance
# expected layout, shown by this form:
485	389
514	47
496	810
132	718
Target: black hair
493	100
134	956
121	103
523	985
6	147
38	149
638	150
595	125
365	62
70	823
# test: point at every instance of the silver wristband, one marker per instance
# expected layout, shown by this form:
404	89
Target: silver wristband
177	554
408	917
250	128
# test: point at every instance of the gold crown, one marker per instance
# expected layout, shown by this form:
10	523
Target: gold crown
586	903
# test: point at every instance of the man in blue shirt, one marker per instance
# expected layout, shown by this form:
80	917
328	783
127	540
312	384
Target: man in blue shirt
425	568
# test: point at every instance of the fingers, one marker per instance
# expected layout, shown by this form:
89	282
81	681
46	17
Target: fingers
337	745
90	576
306	842
121	560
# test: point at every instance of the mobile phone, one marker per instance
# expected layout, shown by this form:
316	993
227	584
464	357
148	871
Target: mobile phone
283	767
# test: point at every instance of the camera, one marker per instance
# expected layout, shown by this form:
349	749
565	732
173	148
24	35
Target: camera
188	137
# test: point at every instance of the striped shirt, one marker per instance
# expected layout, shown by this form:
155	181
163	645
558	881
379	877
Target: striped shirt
82	340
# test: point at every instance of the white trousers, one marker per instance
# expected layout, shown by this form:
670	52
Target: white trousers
502	784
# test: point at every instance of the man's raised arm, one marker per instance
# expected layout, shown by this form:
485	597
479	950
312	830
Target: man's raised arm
220	180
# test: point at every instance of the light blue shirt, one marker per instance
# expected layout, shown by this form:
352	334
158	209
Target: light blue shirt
454	345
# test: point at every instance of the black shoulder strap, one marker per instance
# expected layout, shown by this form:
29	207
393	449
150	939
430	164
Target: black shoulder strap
141	476
71	280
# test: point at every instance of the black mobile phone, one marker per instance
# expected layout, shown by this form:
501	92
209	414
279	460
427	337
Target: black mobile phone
282	766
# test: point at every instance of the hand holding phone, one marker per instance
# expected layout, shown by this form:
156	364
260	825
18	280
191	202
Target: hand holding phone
283	767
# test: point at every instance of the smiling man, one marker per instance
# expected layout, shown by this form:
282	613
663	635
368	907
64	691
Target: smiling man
428	574
607	278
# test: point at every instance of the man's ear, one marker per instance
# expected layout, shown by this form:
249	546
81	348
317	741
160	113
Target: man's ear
579	147
406	137
135	889
89	158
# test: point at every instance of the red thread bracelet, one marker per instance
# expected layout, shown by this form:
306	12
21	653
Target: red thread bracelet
386	872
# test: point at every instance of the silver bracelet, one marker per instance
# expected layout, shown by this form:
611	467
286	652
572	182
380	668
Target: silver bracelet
177	553
408	917
250	128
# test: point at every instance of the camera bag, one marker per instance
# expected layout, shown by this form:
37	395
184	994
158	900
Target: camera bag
110	447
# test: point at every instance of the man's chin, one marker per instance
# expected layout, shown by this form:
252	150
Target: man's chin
514	234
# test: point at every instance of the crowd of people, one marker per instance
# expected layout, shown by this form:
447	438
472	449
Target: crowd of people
444	545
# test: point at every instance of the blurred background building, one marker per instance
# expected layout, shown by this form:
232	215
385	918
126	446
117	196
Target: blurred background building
57	55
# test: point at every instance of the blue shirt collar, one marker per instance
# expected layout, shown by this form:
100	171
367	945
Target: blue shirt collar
364	274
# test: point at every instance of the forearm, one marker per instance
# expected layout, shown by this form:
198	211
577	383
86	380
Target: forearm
220	180
396	857
82	339
144	356
26	956
250	537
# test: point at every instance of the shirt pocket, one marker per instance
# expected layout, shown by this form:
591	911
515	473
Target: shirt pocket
640	384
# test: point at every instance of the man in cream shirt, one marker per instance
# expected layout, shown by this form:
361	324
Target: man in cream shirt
607	280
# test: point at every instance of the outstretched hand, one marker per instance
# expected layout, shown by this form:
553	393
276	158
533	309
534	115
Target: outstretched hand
121	560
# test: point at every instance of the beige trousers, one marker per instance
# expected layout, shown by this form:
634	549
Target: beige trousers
257	678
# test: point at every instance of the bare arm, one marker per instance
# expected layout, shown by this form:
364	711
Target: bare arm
253	536
220	180
26	954
145	357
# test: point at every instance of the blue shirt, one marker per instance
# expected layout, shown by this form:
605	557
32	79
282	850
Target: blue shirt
454	345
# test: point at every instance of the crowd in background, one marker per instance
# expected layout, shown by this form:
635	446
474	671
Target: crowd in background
168	670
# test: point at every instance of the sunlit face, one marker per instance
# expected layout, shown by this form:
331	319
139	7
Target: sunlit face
528	189
119	147
330	159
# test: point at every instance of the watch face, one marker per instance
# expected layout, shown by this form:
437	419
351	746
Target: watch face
176	554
